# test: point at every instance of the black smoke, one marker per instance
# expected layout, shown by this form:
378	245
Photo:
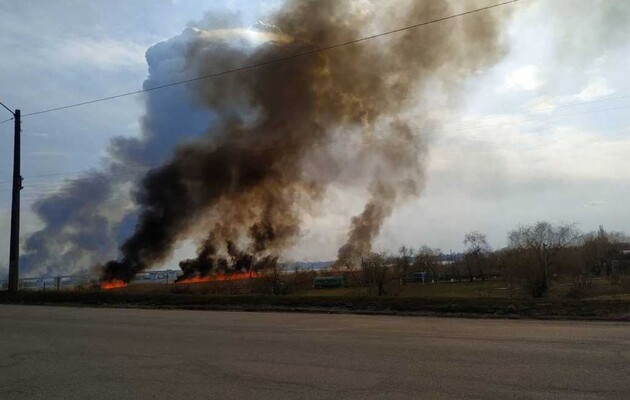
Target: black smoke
244	181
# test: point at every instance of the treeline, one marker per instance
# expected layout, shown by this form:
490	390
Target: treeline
537	257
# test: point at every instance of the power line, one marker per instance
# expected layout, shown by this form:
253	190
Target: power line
53	174
609	98
313	52
490	117
348	143
50	187
532	114
272	61
97	175
8	109
49	184
535	119
60	183
77	172
534	110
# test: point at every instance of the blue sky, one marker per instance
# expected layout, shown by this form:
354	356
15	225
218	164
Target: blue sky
544	134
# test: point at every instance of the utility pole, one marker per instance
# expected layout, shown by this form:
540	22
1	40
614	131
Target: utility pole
14	251
546	265
452	267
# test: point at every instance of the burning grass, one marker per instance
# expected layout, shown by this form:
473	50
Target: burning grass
113	284
220	277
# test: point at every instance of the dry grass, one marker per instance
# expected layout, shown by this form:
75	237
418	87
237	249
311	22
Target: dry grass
545	308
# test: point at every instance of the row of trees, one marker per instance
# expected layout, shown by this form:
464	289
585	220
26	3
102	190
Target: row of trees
536	256
542	252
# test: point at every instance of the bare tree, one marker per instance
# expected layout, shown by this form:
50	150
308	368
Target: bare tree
505	265
540	246
376	274
372	272
351	269
281	279
599	251
405	259
596	252
478	249
579	262
427	260
468	261
616	237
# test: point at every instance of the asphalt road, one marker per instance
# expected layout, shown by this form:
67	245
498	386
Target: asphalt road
83	353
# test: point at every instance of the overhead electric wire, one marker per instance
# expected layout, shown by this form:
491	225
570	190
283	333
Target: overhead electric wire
535	119
97	175
603	99
53	186
535	110
63	182
310	52
272	61
8	109
336	140
53	174
490	117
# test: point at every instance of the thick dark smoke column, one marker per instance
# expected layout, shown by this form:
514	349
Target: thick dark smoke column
85	222
245	182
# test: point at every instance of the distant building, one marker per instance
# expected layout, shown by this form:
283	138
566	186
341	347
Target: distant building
417	277
329	282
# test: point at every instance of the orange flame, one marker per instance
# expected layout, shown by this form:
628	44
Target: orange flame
221	277
113	284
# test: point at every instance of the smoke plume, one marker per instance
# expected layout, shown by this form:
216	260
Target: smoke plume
84	223
245	181
229	161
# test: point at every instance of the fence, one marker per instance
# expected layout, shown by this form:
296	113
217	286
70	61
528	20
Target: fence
62	282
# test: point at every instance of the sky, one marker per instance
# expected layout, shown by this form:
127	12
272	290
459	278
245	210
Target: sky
544	134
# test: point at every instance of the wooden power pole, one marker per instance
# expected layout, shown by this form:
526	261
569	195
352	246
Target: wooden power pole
14	251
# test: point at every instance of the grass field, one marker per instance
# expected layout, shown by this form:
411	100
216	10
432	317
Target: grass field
480	298
449	299
597	309
490	289
457	290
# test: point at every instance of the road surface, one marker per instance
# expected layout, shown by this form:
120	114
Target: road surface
91	353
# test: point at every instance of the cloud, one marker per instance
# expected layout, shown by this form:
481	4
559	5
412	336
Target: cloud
593	90
514	157
37	134
106	54
543	105
596	89
496	178
46	153
523	79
